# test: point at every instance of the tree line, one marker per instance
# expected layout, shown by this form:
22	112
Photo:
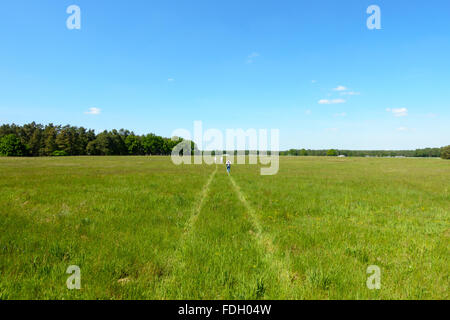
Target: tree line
427	152
37	140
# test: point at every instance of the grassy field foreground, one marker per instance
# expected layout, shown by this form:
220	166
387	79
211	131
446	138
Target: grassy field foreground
143	228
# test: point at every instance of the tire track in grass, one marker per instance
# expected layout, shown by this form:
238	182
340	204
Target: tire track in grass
197	209
279	266
177	255
223	253
219	258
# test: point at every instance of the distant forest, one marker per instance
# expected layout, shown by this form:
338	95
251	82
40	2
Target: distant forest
36	140
428	153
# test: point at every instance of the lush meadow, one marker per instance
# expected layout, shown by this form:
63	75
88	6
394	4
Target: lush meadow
143	228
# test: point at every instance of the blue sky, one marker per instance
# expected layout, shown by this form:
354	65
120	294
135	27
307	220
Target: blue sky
309	68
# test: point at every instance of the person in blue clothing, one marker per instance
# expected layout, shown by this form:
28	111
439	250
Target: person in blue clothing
228	166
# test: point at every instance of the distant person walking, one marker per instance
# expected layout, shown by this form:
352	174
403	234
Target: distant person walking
228	166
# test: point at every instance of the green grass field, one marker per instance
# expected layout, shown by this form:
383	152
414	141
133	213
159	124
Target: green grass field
143	228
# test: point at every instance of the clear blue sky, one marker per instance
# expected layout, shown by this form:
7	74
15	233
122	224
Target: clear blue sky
156	66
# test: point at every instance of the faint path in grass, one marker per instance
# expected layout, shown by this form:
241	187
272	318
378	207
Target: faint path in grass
198	207
177	256
279	266
219	257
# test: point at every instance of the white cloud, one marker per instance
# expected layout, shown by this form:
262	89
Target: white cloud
342	114
402	129
251	57
313	81
350	93
93	111
340	88
333	101
170	79
308	112
398	112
